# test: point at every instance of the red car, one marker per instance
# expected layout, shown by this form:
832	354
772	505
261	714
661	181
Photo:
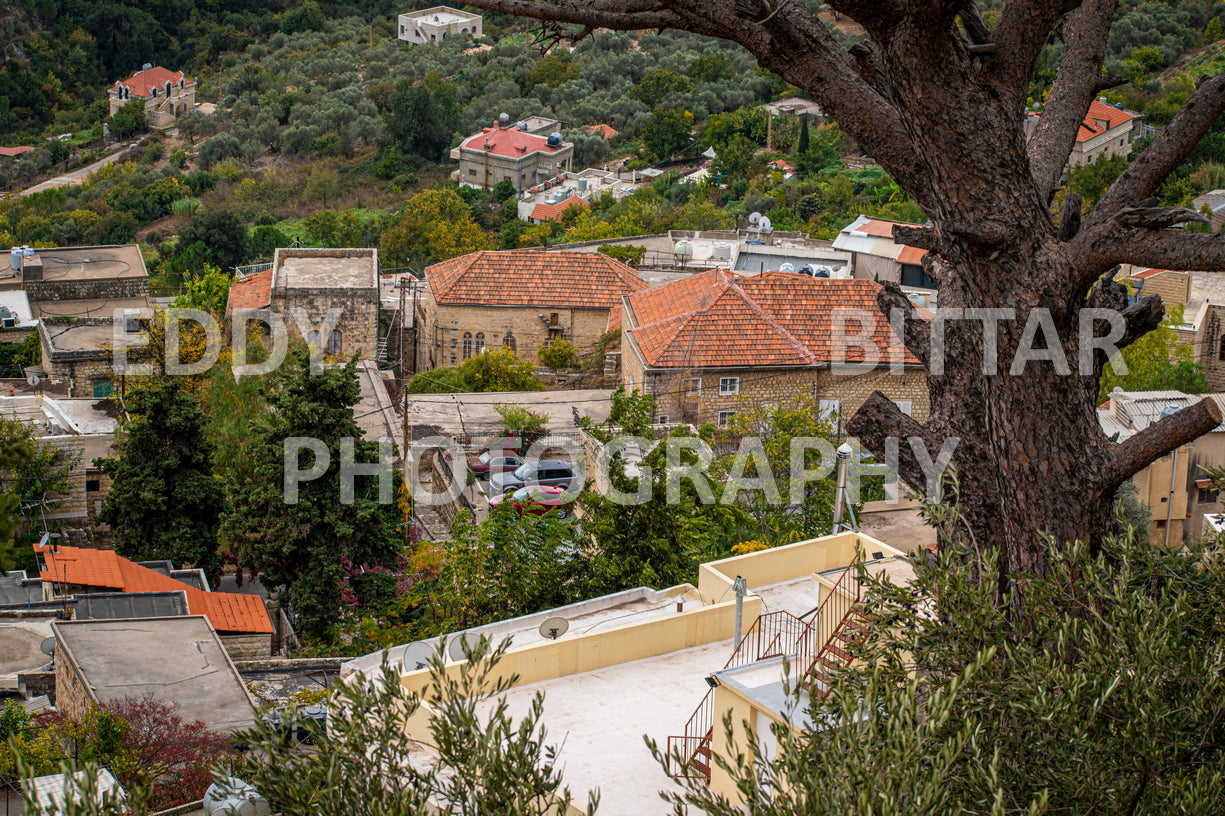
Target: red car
536	500
493	461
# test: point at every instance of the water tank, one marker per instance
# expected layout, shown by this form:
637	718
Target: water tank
521	125
234	798
822	272
722	251
15	258
554	139
789	268
582	185
503	117
807	269
683	250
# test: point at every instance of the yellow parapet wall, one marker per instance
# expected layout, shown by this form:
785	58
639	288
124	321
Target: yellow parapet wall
610	647
770	566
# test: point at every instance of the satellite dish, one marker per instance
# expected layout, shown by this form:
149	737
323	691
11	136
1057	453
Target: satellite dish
416	656
754	217
47	647
764	224
459	646
553	628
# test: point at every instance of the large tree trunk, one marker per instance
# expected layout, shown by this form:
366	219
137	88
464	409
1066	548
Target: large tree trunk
939	101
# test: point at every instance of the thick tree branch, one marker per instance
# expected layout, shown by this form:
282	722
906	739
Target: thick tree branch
1069	218
879	420
1096	249
1076	84
1020	36
1172	432
1142	317
916	334
1158	160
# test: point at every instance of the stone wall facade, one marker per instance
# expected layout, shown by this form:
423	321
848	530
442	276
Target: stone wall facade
72	695
443	328
1172	286
108	289
359	316
247	647
694	395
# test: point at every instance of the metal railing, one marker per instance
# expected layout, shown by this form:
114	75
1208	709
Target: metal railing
839	612
775	634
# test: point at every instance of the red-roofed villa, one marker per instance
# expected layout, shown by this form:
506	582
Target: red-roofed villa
507	152
167	94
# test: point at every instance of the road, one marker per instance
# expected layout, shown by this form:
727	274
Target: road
75	177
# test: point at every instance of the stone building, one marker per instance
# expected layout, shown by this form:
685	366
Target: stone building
519	299
167	94
305	285
506	152
177	661
1201	296
715	343
87	300
433	25
1107	130
876	256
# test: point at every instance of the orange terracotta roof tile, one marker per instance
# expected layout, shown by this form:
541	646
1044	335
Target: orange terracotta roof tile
553	212
227	611
255	292
717	319
1098	114
911	255
577	280
15	151
607	131
142	82
881	229
1147	273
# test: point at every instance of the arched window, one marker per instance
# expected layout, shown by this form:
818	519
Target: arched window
334	341
509	342
168	88
480	343
467	345
1220	352
312	338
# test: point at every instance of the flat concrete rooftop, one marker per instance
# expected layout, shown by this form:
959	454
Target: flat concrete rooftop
441	15
98	308
460	413
325	269
90	337
92	263
176	660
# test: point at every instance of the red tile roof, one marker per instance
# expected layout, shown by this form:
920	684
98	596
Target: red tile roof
606	131
526	277
1147	273
881	229
227	611
255	292
15	151
509	142
717	319
552	212
911	255
142	82
1099	113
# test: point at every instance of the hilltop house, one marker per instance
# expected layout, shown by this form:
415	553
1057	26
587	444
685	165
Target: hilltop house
510	153
167	94
521	300
714	342
1107	130
435	24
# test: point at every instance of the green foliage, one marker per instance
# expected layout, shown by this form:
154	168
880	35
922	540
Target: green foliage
433	226
487	762
552	70
661	85
164	503
560	353
207	289
712	67
499	370
628	254
522	423
1102	692
422	117
129	120
266	240
1158	361
1212	32
31	472
306	17
332	228
299	546
666	132
223	234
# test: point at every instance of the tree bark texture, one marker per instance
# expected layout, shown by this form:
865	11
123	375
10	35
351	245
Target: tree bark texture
939	103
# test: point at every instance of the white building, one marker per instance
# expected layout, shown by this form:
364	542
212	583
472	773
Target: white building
437	23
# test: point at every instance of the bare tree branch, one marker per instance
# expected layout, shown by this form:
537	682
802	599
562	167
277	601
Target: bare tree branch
1020	36
1167	151
879	420
1142	317
1076	83
1101	247
624	15
916	332
1149	445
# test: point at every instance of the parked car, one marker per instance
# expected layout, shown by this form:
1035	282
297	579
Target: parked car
493	461
533	471
536	500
